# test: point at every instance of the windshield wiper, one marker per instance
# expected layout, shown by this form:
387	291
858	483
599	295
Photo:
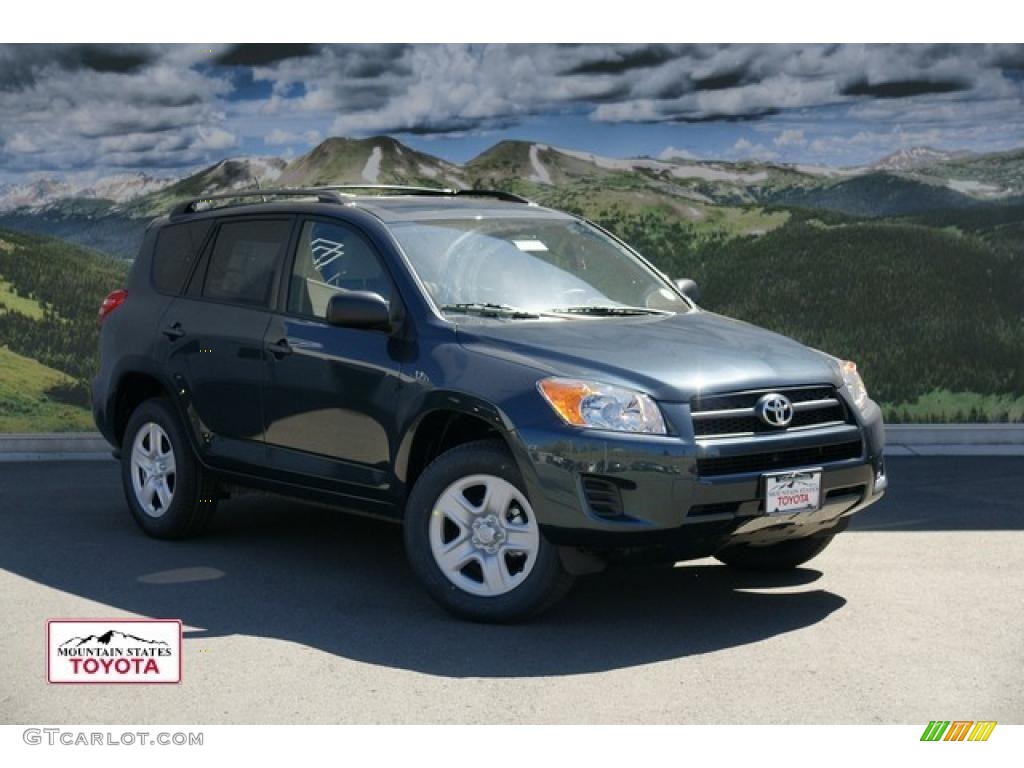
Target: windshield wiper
607	311
484	309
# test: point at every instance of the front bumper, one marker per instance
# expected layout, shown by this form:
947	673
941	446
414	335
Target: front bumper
664	502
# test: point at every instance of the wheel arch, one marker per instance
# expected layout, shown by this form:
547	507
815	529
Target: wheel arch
449	420
137	381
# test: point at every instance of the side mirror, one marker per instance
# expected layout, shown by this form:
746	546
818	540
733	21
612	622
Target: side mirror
359	309
689	289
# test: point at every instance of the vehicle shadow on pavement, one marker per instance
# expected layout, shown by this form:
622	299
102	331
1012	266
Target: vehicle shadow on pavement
276	568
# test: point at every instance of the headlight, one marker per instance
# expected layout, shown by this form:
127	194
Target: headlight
602	406
854	383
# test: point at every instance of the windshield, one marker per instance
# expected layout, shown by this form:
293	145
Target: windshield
531	265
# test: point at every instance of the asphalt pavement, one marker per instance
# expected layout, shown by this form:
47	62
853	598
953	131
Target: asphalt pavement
299	614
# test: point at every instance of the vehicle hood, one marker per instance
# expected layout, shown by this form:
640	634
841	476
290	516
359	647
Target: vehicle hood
672	357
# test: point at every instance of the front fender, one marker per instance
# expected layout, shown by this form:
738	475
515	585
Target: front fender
463	403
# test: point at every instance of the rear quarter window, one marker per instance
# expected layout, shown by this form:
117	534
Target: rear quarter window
177	249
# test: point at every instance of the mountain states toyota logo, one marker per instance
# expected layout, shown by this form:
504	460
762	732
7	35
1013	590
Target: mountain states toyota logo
118	651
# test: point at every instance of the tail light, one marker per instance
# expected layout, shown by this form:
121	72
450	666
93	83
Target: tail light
114	300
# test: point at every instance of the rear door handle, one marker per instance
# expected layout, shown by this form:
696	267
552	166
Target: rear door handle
280	348
174	331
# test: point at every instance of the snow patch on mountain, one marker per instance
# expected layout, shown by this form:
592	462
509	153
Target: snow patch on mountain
705	172
371	171
39	194
125	186
824	170
916	157
977	188
540	173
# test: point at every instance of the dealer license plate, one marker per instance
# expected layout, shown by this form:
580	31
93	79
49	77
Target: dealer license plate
788	492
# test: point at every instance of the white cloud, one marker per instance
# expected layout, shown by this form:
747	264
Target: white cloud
21	143
790	137
67	108
280	137
212	137
744	149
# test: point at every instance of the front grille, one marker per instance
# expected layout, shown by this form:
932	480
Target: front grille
733	413
721	402
764	462
603	496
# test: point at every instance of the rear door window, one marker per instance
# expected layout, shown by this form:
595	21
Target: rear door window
245	259
177	248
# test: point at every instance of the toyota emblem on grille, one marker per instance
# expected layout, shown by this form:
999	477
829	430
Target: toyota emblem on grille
775	410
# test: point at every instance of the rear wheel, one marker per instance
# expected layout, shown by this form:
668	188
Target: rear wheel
473	538
169	494
776	557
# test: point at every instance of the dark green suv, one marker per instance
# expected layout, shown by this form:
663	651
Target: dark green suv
528	395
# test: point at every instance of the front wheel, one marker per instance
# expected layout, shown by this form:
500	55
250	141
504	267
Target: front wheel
776	557
473	538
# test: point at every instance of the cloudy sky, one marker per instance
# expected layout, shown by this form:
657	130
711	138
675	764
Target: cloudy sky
94	110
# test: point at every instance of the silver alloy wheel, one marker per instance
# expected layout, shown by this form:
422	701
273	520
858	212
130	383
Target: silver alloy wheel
484	535
154	473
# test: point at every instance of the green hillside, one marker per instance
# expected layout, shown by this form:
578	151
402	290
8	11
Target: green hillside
50	291
25	402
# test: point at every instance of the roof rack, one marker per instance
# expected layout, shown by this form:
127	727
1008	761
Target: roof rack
323	194
336	193
497	194
401	188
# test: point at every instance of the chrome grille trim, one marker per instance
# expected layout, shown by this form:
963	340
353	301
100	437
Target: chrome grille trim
717	416
730	413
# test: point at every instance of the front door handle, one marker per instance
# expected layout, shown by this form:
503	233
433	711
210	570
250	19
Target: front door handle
280	348
174	332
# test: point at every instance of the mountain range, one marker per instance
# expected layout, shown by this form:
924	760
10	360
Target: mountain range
109	213
111	636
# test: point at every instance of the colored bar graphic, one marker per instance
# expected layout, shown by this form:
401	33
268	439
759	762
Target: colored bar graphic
982	730
958	730
934	730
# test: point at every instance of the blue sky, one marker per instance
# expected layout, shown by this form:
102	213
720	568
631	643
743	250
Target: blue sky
87	110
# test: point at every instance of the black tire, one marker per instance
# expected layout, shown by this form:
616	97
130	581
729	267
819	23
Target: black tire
193	498
783	556
541	588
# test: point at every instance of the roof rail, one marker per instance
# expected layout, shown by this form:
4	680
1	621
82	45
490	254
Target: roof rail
440	191
323	194
402	188
497	194
336	193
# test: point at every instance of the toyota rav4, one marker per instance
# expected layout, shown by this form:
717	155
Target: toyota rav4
523	391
